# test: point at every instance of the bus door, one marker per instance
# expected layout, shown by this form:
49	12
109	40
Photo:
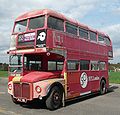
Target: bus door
73	86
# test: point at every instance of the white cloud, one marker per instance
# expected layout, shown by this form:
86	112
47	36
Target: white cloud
117	52
117	11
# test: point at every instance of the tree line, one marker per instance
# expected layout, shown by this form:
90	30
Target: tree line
3	67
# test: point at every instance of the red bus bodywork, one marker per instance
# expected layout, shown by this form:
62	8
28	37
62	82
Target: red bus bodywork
81	64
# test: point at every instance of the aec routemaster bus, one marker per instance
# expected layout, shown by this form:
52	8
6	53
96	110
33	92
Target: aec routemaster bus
55	59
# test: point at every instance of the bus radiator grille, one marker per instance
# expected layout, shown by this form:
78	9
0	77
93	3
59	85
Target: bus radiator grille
22	90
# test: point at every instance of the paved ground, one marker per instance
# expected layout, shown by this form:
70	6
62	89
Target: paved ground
108	104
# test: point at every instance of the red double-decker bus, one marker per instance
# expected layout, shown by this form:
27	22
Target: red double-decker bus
55	59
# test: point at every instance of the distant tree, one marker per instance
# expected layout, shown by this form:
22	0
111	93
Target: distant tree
3	67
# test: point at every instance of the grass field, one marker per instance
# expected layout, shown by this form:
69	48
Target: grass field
114	77
3	73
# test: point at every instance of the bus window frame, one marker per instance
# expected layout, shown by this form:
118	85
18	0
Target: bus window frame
91	40
56	65
102	36
75	25
83	30
13	31
48	16
107	38
34	18
88	65
74	70
94	62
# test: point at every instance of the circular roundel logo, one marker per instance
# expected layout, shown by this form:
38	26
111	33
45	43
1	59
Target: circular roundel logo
41	36
83	80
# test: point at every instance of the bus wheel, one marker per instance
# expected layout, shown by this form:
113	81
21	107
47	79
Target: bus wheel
14	100
102	87
54	99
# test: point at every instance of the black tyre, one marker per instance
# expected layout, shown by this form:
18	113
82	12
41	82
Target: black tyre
54	100
103	87
14	100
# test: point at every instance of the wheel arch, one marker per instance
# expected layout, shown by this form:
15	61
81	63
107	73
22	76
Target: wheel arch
103	78
58	84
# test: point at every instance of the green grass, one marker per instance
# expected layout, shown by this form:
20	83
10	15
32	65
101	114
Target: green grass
114	77
3	73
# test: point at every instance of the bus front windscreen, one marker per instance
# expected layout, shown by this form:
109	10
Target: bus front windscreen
20	26
15	63
37	22
15	60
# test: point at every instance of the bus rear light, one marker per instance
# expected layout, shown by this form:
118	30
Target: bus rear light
38	89
10	86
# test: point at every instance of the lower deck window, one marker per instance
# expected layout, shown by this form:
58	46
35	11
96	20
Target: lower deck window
51	65
73	65
84	65
55	65
102	66
94	65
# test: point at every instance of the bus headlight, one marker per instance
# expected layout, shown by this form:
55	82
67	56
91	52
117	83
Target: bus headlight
10	86
38	89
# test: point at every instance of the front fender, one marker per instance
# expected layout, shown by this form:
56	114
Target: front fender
46	86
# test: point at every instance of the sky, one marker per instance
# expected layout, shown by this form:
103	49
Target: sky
103	15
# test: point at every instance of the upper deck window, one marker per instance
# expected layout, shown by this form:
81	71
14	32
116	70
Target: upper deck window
37	22
83	33
55	23
107	41
101	39
70	28
20	26
93	36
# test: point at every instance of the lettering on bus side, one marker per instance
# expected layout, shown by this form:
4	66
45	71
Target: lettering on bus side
41	38
84	79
